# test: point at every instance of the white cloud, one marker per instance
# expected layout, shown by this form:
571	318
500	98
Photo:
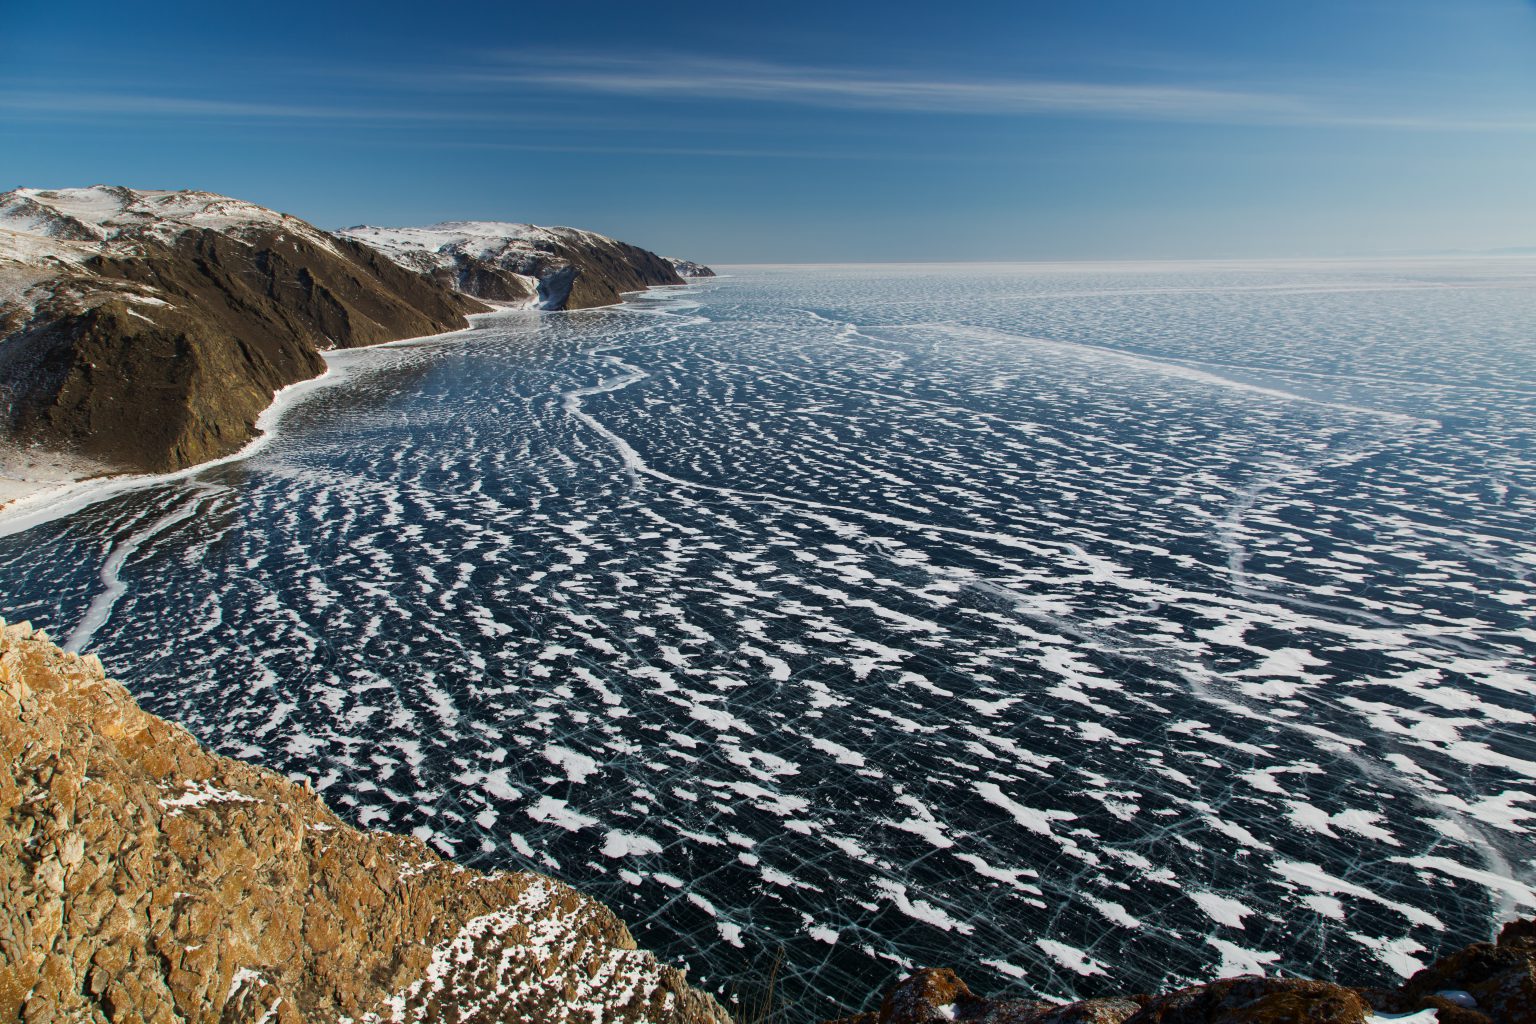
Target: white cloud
497	94
701	78
682	77
124	103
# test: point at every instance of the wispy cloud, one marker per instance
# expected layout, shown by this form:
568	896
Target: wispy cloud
747	153
518	88
705	78
699	78
46	103
41	104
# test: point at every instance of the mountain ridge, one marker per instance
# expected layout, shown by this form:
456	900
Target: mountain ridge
146	330
548	268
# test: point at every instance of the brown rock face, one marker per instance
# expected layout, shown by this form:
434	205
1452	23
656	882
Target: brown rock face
1093	1011
688	268
1484	983
551	268
162	356
1518	933
1259	1000
1499	977
934	994
584	271
938	996
148	330
145	879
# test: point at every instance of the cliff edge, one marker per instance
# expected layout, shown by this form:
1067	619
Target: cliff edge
148	879
688	268
147	330
545	268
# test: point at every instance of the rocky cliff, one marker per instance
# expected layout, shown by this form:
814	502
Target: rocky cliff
146	879
1484	983
688	268
548	268
147	330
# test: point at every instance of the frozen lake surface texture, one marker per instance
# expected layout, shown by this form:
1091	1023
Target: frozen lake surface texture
1084	627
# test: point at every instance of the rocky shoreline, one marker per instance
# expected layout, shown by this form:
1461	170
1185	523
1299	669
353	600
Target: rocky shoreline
146	331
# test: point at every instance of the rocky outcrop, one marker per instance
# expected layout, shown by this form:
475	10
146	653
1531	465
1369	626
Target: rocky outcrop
148	330
1484	983
546	268
146	879
688	268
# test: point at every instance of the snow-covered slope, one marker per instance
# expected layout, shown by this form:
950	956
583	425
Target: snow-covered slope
148	329
688	268
445	246
111	218
484	239
522	264
48	232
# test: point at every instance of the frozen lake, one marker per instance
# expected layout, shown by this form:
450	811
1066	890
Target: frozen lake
1094	626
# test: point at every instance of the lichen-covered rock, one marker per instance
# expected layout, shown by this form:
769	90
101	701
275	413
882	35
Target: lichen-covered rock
1469	968
937	995
143	878
1092	1011
932	995
1519	934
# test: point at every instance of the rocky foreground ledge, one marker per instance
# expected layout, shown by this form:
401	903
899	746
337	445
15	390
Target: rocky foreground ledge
1484	983
143	878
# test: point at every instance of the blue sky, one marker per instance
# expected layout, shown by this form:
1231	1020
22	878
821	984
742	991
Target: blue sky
802	131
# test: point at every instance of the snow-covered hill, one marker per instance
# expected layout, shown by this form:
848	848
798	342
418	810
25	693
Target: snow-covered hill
522	264
688	268
483	239
147	329
48	232
111	218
